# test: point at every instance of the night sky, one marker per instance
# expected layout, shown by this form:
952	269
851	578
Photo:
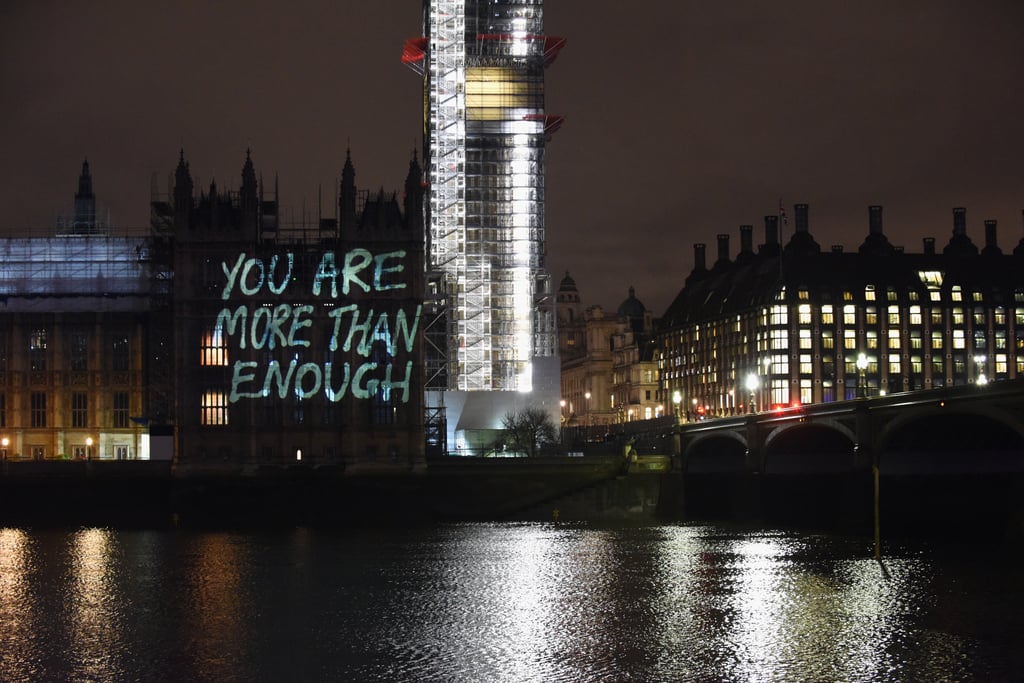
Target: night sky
684	119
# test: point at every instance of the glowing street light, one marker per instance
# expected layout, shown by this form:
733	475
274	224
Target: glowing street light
88	448
982	379
862	366
752	384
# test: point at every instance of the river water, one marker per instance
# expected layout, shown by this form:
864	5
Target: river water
502	602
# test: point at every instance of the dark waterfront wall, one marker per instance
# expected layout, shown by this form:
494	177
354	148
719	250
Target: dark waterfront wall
590	489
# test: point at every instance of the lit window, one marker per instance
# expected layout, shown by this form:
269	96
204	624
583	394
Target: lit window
849	339
805	339
893	315
804	314
894	339
827	317
958	339
894	363
869	293
958	316
915	315
936	339
870	315
850	315
213	408
956	294
871	339
214	348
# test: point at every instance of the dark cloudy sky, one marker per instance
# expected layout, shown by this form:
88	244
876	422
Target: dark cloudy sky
684	119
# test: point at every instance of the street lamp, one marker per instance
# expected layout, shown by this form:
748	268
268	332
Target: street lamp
5	442
862	365
982	379
586	395
88	448
752	384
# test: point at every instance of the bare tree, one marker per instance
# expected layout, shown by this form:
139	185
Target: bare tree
527	431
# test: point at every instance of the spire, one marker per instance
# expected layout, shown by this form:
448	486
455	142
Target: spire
347	199
182	193
85	203
248	197
85	180
414	194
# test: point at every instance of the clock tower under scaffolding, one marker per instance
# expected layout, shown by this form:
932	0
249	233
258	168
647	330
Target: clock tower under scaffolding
485	128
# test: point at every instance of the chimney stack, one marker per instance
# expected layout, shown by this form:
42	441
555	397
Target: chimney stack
699	264
929	246
723	249
959	221
875	220
746	239
771	229
800	211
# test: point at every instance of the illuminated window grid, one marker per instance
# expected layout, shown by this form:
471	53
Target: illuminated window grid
213	408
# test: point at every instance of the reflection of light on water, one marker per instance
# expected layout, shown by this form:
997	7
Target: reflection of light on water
521	602
529	604
14	565
215	598
94	599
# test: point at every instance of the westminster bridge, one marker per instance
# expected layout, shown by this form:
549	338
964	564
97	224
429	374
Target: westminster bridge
941	458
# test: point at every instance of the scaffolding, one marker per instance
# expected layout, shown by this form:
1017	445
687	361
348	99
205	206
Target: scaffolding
74	265
486	124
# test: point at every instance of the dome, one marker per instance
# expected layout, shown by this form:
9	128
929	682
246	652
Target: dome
632	307
567	284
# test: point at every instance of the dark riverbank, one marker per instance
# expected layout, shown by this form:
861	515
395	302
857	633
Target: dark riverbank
591	489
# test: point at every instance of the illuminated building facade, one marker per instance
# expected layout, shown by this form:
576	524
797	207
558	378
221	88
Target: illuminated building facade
295	343
485	129
76	306
797	324
609	371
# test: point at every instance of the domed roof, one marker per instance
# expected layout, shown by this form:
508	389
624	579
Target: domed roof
632	307
567	284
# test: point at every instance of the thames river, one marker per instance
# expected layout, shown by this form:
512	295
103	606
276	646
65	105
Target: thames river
502	602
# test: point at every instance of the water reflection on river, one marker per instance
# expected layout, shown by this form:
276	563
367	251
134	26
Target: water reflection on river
509	602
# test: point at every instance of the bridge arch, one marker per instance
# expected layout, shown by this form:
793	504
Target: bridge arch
719	452
823	446
962	439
